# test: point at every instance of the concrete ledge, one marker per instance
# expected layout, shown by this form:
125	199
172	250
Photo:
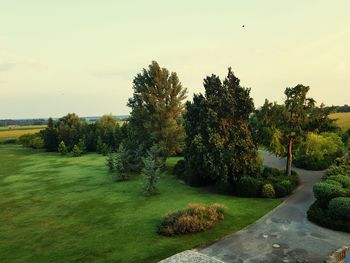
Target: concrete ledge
188	256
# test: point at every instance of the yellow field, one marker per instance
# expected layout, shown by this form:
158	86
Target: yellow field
343	119
13	133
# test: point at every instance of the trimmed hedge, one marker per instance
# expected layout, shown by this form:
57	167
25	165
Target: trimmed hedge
343	180
325	192
322	217
339	208
249	187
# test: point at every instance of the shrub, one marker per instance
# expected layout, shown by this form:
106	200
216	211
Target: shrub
121	163
339	208
342	179
180	169
318	151
322	217
268	191
283	188
9	141
195	218
32	140
110	162
338	170
76	151
249	187
62	148
324	192
271	172
151	172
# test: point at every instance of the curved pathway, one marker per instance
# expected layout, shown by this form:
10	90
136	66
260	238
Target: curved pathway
284	234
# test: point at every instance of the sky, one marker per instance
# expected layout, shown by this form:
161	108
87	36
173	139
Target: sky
81	56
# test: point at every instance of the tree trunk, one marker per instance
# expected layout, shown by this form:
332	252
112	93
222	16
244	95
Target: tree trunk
289	157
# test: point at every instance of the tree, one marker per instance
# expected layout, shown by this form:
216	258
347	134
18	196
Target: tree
76	151
69	130
122	163
151	172
62	148
219	142
156	106
50	137
297	105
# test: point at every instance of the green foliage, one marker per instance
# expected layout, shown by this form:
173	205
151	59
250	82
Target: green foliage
151	172
339	208
195	218
62	148
341	166
110	162
283	188
219	143
32	141
318	151
76	151
121	163
323	217
324	192
268	191
156	106
180	169
343	180
249	187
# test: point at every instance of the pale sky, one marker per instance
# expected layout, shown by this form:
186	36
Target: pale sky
81	56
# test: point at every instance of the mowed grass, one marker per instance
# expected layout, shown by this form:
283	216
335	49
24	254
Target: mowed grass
62	209
343	119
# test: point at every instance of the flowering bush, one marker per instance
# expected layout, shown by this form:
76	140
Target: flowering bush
195	218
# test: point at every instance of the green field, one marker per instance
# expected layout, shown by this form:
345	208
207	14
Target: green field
62	209
13	132
343	119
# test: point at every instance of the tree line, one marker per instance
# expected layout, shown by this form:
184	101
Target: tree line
218	132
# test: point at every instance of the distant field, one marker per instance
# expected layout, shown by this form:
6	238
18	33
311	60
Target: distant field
343	119
13	132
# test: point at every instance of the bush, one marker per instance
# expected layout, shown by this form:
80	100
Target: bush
324	192
271	172
151	172
62	148
180	169
195	218
342	179
322	217
32	141
249	187
76	151
9	141
319	151
283	188
339	208
110	162
268	191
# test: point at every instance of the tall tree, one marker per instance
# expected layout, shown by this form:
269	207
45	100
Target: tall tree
50	136
157	105
297	106
219	143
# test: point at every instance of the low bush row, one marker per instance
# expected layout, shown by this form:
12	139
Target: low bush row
270	183
195	218
332	206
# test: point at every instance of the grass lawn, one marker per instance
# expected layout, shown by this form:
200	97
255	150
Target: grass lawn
343	119
63	209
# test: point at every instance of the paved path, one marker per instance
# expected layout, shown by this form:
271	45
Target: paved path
295	238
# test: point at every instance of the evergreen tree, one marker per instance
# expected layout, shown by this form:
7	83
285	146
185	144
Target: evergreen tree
122	163
76	151
62	148
110	162
151	172
156	105
219	142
